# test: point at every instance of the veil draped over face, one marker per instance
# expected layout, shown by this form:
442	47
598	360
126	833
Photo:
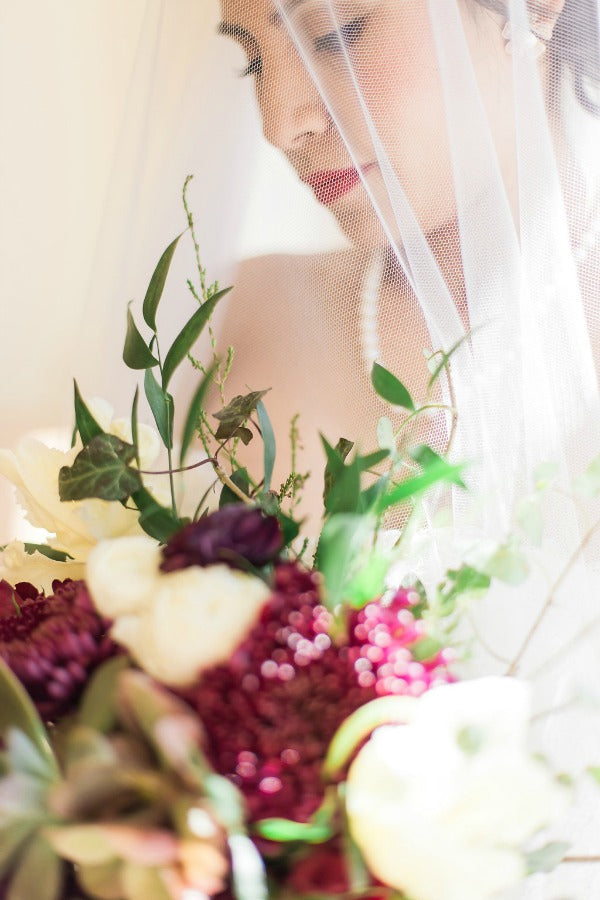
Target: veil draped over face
456	144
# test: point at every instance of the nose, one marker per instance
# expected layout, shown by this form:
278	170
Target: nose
292	109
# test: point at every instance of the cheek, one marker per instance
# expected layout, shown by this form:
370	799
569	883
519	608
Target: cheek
405	101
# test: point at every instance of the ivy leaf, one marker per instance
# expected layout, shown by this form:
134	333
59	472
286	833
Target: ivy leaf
18	712
390	388
136	354
191	419
157	285
162	406
100	470
233	416
286	831
188	335
156	520
269	445
85	423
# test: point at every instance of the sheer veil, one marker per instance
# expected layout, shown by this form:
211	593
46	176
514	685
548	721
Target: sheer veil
433	181
456	144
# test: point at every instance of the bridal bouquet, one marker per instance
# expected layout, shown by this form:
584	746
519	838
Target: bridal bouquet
214	705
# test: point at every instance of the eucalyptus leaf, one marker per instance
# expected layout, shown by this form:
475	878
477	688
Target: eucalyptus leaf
97	708
529	516
191	419
390	388
233	416
509	564
100	470
157	285
385	435
286	831
134	426
136	354
85	423
461	582
39	873
269	445
546	858
17	711
162	406
187	337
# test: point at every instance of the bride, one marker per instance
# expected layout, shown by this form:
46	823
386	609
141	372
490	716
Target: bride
455	142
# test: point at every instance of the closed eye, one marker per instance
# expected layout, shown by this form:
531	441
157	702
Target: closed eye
254	67
345	36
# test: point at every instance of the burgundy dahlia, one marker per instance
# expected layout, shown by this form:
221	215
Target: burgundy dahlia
236	535
271	712
52	644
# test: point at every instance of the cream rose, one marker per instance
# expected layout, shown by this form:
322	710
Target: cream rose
441	807
75	527
174	624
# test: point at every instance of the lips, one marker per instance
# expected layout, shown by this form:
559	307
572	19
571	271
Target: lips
330	186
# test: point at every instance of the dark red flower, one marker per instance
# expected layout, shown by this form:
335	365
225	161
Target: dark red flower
52	644
271	712
236	535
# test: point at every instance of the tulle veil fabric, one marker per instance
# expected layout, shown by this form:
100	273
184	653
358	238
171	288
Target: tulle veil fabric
511	274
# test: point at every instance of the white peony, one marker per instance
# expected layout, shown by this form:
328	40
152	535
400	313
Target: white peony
176	623
442	807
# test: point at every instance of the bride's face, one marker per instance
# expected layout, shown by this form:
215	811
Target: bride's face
392	50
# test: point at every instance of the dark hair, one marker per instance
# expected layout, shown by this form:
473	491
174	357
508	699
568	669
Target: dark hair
575	43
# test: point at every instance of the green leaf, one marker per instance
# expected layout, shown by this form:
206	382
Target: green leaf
344	494
588	484
241	479
100	470
85	423
39	874
156	520
286	830
188	335
12	837
385	435
134	426
136	354
233	416
157	285
97	707
162	406
509	564
369	582
23	757
425	648
435	470
529	516
390	388
289	527
49	552
226	801
547	858
459	582
269	445
17	711
191	420
594	771
341	538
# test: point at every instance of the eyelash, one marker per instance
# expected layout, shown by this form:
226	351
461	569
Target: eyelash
334	41
254	67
